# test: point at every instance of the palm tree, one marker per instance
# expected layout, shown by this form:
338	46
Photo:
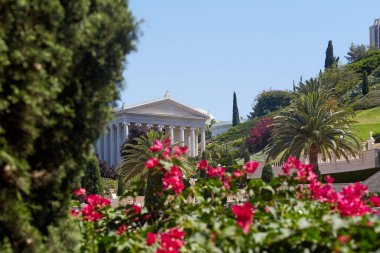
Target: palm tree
134	157
313	125
132	169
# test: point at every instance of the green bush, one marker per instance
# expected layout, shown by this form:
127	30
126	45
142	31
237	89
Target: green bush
267	173
92	180
61	65
120	186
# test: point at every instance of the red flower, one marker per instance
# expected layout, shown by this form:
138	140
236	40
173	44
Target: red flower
74	212
90	214
329	179
136	209
226	181
178	151
151	238
238	173
375	200
167	142
173	180
151	163
343	239
79	192
166	153
250	167
171	241
157	146
202	165
244	215
215	172
121	229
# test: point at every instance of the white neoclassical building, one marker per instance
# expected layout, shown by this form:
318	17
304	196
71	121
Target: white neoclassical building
182	123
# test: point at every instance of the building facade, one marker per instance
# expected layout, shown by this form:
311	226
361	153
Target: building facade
182	123
374	34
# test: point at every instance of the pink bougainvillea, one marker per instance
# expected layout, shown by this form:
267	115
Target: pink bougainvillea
244	215
173	180
251	167
171	241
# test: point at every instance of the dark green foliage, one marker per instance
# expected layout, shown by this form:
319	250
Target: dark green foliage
356	53
368	64
120	185
365	84
61	64
92	181
330	60
267	173
270	101
235	112
371	100
353	176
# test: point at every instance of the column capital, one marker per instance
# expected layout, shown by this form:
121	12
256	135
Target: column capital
182	127
124	123
193	128
171	127
149	125
138	124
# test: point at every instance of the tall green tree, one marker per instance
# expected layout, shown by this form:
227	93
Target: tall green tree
267	173
365	88
235	112
270	101
356	52
330	60
92	180
61	66
314	126
120	185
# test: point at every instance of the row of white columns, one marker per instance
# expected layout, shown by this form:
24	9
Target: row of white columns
109	145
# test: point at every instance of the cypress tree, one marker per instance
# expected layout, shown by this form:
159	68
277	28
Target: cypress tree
92	181
120	185
247	155
235	112
330	60
365	88
267	173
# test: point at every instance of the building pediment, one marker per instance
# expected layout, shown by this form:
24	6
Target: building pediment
165	107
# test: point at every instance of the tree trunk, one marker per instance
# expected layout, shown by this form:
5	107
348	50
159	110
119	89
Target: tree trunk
313	160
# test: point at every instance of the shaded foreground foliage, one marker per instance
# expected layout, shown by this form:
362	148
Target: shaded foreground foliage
61	65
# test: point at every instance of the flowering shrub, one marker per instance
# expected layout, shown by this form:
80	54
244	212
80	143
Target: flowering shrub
294	213
260	134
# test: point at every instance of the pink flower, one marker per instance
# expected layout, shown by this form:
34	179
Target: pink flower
97	200
136	209
151	163
151	238
215	172
226	181
171	241
329	179
90	214
375	200
74	212
79	192
166	153
244	215
250	167
202	165
178	151
343	239
167	142
173	180
121	229
157	146
238	173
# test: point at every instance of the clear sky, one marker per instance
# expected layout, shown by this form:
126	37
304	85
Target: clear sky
204	50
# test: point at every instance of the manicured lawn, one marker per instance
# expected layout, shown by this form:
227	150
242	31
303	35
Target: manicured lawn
368	121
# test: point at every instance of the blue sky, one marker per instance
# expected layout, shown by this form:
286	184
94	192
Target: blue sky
204	50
